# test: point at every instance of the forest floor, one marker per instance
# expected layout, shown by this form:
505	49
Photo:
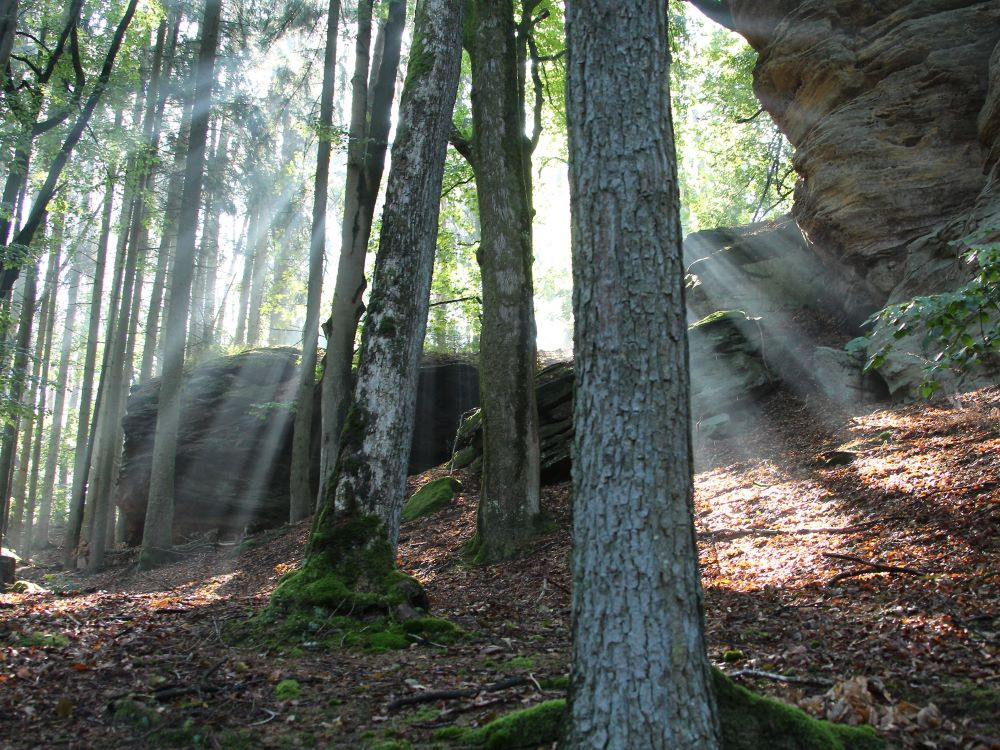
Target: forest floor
850	566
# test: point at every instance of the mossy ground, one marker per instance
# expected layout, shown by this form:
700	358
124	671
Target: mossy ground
431	498
748	722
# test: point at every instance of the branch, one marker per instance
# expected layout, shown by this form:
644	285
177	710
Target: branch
716	10
817	681
35	39
458	299
462	145
536	83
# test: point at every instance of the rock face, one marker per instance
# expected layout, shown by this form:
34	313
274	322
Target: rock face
234	448
894	110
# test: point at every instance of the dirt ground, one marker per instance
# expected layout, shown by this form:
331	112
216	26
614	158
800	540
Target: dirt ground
849	564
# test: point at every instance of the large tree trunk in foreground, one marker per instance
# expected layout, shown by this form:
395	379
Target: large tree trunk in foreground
301	498
509	511
157	534
355	534
370	120
640	677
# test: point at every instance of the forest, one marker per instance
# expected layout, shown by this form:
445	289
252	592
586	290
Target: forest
464	373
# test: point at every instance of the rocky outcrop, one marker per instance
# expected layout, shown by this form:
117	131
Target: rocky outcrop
894	110
234	446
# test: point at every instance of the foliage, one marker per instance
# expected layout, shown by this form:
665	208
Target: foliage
734	164
960	329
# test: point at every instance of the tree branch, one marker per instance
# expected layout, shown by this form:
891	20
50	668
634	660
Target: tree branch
462	145
716	10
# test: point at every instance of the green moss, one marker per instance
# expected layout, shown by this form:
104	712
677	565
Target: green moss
387	640
421	715
42	640
350	568
718	316
464	457
554	683
965	699
520	662
528	727
750	721
732	654
387	327
287	689
431	498
138	715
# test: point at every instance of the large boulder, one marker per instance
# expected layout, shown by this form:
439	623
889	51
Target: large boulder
894	111
234	445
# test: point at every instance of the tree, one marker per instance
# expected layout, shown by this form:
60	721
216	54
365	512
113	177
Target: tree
157	532
640	677
351	555
301	498
509	510
371	109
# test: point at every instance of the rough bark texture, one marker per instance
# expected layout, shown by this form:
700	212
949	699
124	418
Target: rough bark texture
158	530
640	677
892	109
302	499
371	468
365	163
509	510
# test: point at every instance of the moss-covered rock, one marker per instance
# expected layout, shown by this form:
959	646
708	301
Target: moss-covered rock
431	498
748	722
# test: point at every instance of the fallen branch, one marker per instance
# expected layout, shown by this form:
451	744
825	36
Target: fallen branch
816	681
446	695
870	566
726	534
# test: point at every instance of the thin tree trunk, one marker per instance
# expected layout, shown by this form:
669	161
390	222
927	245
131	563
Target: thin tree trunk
361	190
640	677
302	500
45	328
376	441
19	370
253	236
158	529
84	428
210	240
258	278
61	383
509	510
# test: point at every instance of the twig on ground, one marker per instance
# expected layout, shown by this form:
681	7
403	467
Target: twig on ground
817	681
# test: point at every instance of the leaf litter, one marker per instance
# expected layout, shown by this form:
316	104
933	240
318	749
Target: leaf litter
864	590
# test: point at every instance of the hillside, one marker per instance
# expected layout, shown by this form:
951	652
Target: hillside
850	566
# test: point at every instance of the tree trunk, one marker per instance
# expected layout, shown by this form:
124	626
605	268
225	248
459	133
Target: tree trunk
640	677
19	370
355	534
62	378
84	428
509	511
302	500
46	326
158	529
364	175
254	229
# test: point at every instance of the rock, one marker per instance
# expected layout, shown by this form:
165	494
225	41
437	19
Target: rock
894	112
840	376
445	393
726	367
234	445
431	498
8	566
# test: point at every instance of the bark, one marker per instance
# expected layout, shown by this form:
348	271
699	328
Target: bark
509	511
45	329
19	369
366	162
84	428
158	529
61	382
371	470
8	27
640	677
301	498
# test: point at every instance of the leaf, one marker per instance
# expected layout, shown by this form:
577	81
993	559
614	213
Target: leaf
64	707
